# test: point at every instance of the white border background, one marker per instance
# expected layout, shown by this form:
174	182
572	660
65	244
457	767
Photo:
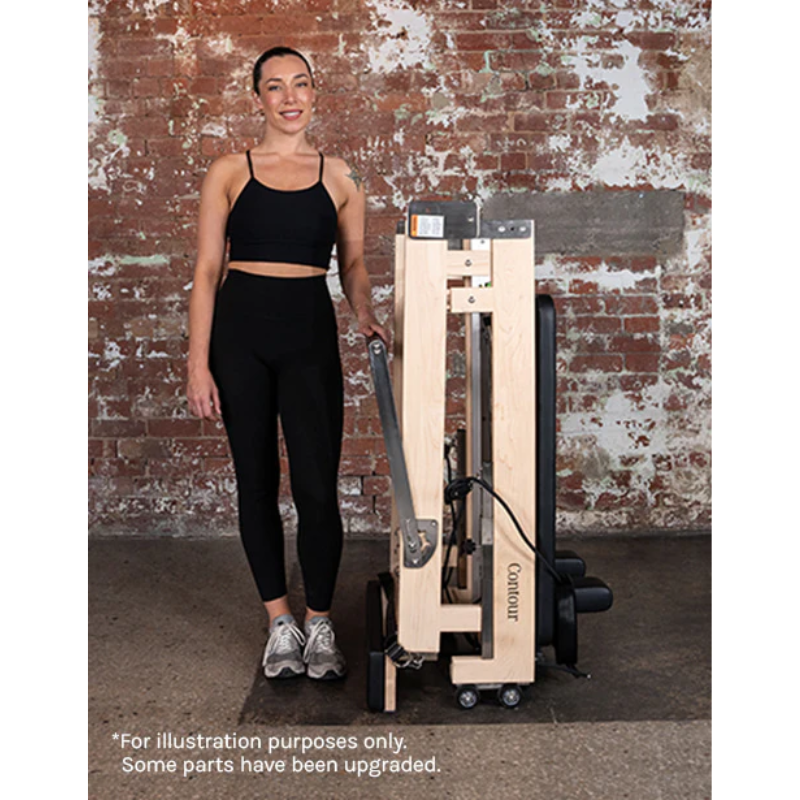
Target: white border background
755	443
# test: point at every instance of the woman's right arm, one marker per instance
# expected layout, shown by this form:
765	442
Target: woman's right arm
201	390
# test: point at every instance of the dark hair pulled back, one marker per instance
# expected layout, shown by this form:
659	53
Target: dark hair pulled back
277	51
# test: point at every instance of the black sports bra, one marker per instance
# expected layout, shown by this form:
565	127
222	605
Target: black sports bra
297	226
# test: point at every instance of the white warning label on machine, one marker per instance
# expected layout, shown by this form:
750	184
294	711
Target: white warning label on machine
430	226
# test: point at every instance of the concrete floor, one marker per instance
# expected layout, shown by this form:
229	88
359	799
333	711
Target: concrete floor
176	634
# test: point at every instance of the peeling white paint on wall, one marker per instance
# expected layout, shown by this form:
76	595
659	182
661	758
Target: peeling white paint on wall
660	15
221	45
147	7
112	355
94	41
402	35
697	241
107	265
399	198
360	379
628	81
102	291
624	426
624	164
214	129
608	280
102	265
381	293
99	167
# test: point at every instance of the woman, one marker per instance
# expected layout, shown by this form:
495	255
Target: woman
267	343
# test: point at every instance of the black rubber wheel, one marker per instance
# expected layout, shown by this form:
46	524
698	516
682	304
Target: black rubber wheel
509	695
566	633
468	696
376	661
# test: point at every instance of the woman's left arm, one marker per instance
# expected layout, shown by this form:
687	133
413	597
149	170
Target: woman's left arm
350	255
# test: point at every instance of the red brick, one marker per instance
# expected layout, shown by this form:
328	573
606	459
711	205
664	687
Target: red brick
509	161
161	99
199	448
355	465
642	362
183	428
479	122
381	466
625	305
670	81
700	161
572	500
146	87
578	305
489	40
541	82
642	324
597	324
681	359
650	40
635	344
676	402
566	80
583	287
376	485
115	428
662	122
689	301
601	363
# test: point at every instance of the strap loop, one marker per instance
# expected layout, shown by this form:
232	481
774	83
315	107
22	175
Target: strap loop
401	658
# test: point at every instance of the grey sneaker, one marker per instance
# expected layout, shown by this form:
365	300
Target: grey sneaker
322	655
283	655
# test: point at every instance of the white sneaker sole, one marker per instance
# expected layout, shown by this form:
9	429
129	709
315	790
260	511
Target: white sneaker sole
283	670
329	674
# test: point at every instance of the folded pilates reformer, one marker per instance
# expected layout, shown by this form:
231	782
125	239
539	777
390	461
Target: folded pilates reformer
496	580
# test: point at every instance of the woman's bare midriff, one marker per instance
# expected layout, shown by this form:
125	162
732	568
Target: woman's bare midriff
277	269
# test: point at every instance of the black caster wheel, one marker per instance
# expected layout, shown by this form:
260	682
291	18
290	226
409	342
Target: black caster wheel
468	696
509	695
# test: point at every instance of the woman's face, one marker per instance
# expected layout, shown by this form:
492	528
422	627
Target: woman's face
285	86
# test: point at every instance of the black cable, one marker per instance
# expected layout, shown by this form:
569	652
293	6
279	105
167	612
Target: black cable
446	575
461	487
472	640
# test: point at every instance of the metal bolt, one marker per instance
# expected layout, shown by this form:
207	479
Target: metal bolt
468	262
471	299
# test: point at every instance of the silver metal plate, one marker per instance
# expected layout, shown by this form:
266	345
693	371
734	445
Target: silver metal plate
506	228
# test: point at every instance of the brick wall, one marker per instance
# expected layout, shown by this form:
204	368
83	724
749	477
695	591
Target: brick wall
590	116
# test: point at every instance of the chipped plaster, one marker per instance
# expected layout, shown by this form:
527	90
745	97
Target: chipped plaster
629	81
399	36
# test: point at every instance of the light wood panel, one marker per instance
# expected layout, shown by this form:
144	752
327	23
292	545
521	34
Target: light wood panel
514	470
422	390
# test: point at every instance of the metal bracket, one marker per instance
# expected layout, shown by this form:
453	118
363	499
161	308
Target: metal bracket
420	536
505	229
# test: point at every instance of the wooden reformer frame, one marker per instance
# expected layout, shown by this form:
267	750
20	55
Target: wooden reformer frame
488	276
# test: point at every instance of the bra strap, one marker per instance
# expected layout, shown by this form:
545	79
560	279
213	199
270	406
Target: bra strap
250	164
321	162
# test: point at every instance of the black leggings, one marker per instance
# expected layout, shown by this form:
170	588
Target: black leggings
275	349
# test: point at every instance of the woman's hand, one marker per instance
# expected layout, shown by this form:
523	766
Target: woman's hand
201	390
368	324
